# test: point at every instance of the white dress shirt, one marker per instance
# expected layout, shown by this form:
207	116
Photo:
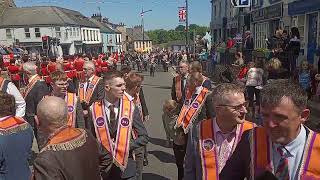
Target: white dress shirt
107	110
19	101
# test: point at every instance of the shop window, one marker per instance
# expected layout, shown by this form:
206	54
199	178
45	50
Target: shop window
261	33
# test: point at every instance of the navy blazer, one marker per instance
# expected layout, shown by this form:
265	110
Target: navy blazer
15	152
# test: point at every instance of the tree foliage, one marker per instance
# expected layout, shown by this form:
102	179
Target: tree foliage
159	36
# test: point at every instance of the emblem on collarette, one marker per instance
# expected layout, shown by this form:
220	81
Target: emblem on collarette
186	102
91	86
70	109
81	85
208	144
124	122
195	105
100	121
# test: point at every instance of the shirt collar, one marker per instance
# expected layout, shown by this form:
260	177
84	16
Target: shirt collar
107	103
292	147
218	130
91	78
198	90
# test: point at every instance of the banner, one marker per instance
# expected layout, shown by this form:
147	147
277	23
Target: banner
182	14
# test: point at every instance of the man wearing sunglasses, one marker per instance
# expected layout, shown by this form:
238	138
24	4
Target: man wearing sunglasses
212	141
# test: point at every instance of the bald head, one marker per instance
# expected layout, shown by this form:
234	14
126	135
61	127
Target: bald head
52	113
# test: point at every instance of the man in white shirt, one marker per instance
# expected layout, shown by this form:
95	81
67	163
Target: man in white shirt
10	88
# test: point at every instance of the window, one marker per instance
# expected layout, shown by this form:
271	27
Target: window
78	32
301	20
37	32
88	39
261	33
74	32
94	35
8	34
215	11
84	35
58	32
91	33
27	32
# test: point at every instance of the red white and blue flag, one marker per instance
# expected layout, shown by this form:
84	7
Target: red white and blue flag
182	14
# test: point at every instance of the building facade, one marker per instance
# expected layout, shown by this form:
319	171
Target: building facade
305	14
137	41
26	27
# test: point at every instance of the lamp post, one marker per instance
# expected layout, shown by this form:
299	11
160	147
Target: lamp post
142	23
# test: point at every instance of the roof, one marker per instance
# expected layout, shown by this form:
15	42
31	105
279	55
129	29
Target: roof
103	27
43	16
137	35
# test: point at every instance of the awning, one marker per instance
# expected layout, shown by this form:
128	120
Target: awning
303	6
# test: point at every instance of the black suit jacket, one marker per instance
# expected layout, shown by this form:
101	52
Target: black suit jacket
145	111
81	163
80	122
174	95
36	94
107	168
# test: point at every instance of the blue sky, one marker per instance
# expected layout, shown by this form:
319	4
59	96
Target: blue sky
164	13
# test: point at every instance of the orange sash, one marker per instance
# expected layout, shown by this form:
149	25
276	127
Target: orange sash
2	80
12	124
85	95
71	100
30	85
261	155
190	110
207	147
67	138
178	87
120	147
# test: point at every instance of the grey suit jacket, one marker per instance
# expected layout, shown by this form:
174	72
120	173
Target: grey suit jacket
192	164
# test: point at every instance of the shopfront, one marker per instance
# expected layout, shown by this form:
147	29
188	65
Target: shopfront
266	21
305	15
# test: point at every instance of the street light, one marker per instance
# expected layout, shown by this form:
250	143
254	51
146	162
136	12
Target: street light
142	23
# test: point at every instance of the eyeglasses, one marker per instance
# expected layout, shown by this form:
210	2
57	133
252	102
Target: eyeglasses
236	107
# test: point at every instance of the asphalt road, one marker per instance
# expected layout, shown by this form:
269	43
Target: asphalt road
161	160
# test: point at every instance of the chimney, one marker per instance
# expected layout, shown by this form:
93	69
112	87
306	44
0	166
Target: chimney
97	17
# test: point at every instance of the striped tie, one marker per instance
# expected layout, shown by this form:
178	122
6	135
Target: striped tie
282	172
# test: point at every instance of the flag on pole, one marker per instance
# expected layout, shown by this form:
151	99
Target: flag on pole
182	14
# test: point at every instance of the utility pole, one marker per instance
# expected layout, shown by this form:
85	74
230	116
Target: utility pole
187	28
142	24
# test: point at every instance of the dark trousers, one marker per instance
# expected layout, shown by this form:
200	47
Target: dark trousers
139	154
179	153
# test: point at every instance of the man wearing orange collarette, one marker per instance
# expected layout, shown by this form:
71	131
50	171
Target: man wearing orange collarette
114	119
33	93
92	89
212	141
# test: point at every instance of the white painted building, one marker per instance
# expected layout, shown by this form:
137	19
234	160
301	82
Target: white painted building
27	26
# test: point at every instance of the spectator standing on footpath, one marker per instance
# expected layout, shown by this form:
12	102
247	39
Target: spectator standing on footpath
248	46
294	48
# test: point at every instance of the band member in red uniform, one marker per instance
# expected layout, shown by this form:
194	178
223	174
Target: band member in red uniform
14	71
52	65
78	65
104	65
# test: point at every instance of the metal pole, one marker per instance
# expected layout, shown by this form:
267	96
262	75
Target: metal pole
142	21
187	29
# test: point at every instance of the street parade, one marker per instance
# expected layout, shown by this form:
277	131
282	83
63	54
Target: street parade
94	100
